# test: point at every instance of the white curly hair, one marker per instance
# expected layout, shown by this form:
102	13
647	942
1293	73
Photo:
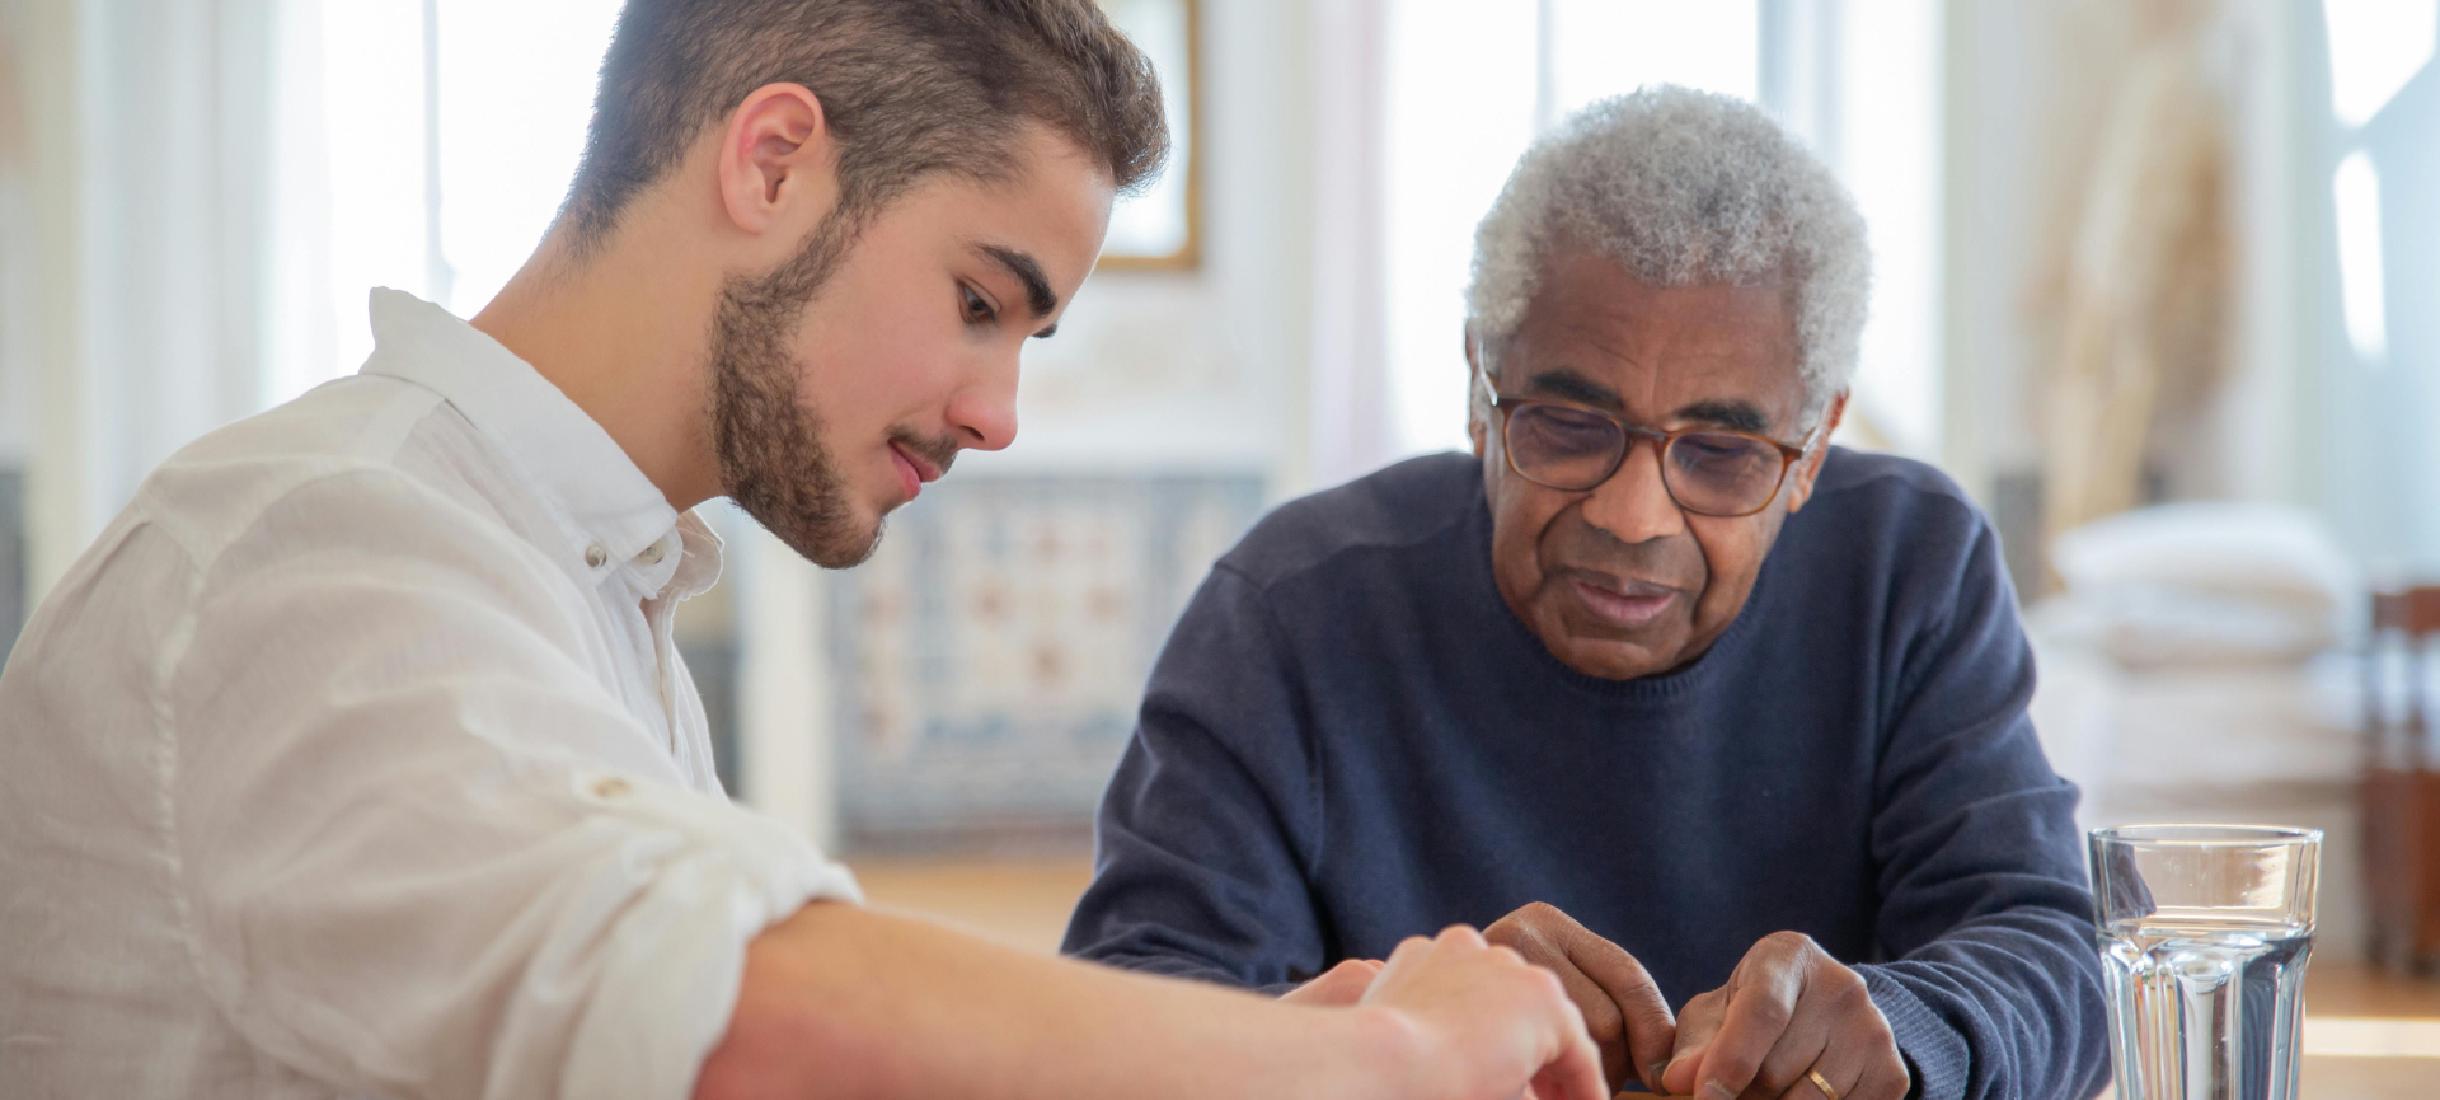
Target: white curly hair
1681	188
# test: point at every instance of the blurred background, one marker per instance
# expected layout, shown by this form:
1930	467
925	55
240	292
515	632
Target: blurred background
2157	281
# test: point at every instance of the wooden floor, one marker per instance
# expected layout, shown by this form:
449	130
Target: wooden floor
2367	1035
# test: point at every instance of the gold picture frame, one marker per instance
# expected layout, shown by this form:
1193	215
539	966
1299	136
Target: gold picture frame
1162	228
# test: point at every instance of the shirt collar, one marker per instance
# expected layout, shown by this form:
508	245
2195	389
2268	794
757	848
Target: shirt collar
612	513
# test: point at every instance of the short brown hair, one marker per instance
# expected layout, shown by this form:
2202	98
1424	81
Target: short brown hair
909	87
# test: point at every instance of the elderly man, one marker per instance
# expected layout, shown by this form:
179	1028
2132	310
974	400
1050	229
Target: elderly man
1655	658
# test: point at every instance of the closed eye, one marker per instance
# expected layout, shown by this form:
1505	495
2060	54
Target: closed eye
974	308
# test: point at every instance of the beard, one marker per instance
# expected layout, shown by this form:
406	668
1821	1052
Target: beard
769	441
766	432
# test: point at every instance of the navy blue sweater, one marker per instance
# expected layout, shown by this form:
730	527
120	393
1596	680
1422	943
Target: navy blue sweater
1350	739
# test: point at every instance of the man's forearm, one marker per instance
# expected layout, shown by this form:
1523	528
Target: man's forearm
842	1001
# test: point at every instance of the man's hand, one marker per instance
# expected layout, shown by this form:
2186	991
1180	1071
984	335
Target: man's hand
1623	1010
1337	987
1474	1022
1788	1010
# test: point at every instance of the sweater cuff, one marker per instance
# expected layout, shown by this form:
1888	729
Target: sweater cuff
1935	1053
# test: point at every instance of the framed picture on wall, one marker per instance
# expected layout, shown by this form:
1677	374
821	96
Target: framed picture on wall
1162	228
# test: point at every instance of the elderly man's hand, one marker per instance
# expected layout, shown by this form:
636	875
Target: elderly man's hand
1788	1011
1623	1010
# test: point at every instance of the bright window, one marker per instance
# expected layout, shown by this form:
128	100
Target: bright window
425	145
2376	47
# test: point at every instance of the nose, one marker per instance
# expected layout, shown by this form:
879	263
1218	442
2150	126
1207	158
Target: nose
1633	506
983	412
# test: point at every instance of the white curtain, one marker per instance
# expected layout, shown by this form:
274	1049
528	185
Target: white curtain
145	213
1350	424
16	244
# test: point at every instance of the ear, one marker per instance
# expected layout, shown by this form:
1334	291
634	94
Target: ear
1800	487
777	163
1477	428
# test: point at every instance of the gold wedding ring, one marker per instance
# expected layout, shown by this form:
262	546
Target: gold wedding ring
1821	1083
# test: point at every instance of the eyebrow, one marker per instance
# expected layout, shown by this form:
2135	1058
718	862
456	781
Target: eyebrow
1570	386
1038	295
1566	384
1736	416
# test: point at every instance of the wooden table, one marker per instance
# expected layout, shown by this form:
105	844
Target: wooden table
2367	1035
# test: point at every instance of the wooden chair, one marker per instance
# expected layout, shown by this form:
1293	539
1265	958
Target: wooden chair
2401	786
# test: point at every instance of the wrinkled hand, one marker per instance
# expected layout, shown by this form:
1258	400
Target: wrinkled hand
1623	1010
1787	1009
1337	987
1481	1023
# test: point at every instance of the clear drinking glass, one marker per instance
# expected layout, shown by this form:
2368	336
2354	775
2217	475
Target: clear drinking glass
2205	933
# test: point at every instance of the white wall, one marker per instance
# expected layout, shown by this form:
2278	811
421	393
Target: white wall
1205	366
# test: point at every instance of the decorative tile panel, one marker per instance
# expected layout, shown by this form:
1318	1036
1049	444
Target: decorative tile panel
989	660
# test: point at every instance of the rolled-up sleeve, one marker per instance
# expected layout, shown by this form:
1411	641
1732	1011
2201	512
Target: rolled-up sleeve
421	850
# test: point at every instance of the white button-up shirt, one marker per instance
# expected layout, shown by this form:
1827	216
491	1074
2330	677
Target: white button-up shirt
356	758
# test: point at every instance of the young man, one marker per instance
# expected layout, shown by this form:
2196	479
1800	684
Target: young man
355	757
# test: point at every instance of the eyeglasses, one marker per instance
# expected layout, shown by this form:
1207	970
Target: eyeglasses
1569	447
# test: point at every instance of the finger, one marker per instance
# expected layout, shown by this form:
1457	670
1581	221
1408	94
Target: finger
1541	933
1575	1074
1836	1022
1842	1080
1642	1015
1695	1029
1761	1004
1887	1079
1404	956
1601	1019
1461	934
1862	1062
1781	1078
1803	1044
1338	986
1572	1068
1555	1084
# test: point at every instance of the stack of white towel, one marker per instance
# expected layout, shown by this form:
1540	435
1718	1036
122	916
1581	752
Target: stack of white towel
2204	584
2199	667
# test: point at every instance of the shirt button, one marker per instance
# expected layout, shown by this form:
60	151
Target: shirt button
652	554
596	557
612	787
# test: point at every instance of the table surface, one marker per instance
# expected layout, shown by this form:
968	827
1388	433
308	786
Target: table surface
2367	1035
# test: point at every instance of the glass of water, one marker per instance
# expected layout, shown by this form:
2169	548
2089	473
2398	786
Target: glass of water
2205	933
